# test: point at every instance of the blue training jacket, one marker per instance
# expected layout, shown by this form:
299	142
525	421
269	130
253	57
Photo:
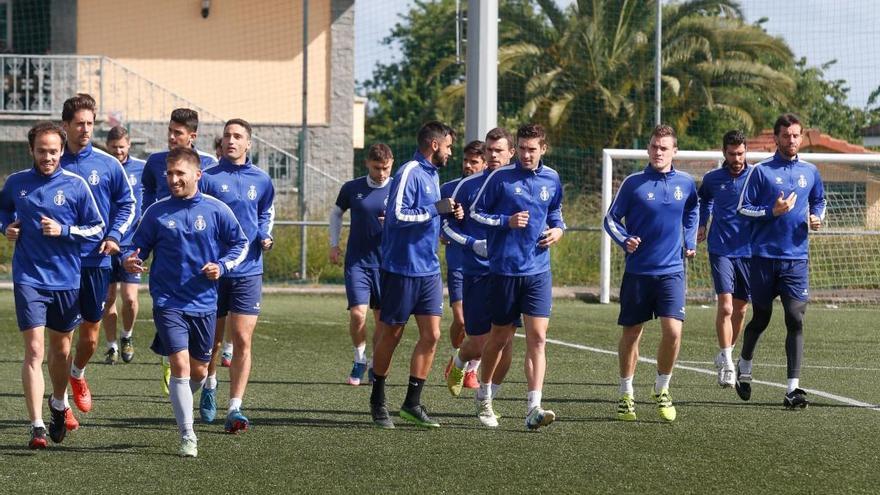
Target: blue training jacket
730	234
134	169
367	201
183	235
785	236
249	192
661	209
509	190
467	231
49	263
412	225
154	180
113	195
454	254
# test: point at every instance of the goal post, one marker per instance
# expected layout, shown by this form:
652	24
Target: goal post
844	254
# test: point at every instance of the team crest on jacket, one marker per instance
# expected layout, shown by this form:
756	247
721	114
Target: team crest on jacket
172	224
22	193
802	181
779	180
200	223
678	195
359	195
132	180
252	193
93	178
224	188
650	196
59	198
545	194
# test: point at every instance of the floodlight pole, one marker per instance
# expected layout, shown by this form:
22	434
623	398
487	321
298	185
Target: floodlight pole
303	144
658	63
481	97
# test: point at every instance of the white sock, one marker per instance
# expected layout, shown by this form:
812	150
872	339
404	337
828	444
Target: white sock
485	391
227	347
211	382
473	364
234	405
113	345
534	398
126	334
194	386
495	388
182	404
38	423
626	385
793	383
57	404
360	353
745	366
458	362
66	402
661	382
727	354
77	373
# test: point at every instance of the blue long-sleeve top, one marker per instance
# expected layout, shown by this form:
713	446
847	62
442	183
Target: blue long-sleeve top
367	201
113	195
249	192
507	191
412	224
662	210
785	236
49	263
154	179
183	235
454	254
467	231
134	169
730	233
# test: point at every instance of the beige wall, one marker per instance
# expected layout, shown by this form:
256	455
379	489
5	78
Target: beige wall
244	60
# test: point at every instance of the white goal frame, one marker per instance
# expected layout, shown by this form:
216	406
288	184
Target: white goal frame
609	155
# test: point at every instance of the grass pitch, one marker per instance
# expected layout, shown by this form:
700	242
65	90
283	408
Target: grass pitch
312	433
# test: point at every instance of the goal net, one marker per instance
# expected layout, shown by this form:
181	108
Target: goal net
844	254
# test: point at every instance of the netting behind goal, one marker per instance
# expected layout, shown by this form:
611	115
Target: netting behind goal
844	254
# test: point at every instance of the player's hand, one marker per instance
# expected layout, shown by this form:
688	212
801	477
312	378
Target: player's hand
690	253
133	263
701	234
12	230
815	222
519	220
784	205
334	255
480	248
550	237
267	244
211	270
445	206
51	228
109	247
458	212
632	244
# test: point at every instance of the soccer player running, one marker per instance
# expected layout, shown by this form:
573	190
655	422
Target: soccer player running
182	133
47	212
729	248
116	203
366	197
473	162
478	318
785	198
653	213
195	239
119	144
521	206
410	276
249	192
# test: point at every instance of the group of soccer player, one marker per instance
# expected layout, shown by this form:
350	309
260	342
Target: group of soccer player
83	220
498	221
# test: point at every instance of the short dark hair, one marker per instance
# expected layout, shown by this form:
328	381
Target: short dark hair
218	143
380	152
532	131
185	155
241	122
186	117
664	130
732	138
433	130
786	120
46	127
500	133
116	133
475	148
81	101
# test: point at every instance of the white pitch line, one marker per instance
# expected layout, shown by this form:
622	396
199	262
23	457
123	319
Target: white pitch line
834	397
810	366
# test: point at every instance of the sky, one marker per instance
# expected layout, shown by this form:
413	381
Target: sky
820	30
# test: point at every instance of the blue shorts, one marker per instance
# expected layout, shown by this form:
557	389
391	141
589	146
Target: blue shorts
731	276
240	295
118	273
454	284
403	296
645	297
769	278
93	286
477	317
177	330
362	287
54	309
512	296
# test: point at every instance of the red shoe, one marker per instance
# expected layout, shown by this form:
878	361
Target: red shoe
70	421
448	367
82	396
471	381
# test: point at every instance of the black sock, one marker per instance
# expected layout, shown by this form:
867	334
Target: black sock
377	396
414	392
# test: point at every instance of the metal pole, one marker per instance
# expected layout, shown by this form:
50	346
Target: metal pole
658	63
605	248
481	99
303	144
